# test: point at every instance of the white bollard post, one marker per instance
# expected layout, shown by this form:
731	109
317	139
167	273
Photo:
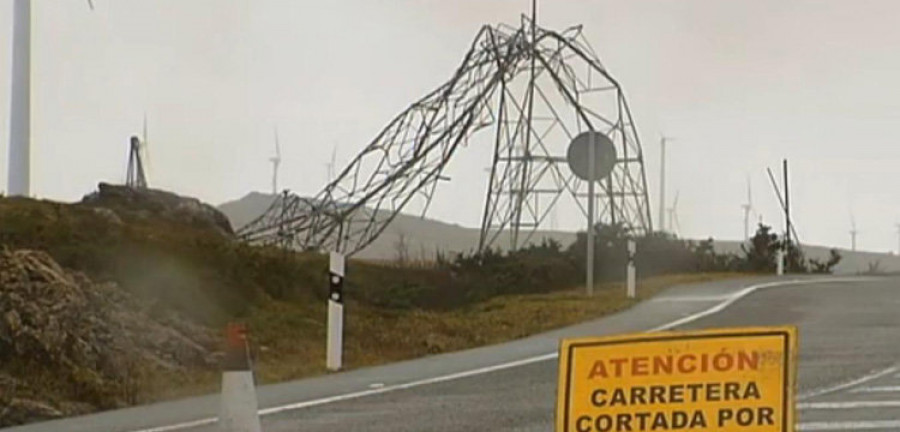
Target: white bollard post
779	262
238	410
334	346
630	275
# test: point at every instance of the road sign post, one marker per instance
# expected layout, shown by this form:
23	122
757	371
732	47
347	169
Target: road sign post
630	276
592	176
716	380
591	157
334	344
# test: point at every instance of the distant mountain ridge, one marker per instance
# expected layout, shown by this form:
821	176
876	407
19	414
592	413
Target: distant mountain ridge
419	239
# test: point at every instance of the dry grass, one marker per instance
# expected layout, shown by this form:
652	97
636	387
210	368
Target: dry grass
291	336
168	264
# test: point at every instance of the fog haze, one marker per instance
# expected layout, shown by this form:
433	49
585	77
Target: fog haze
739	85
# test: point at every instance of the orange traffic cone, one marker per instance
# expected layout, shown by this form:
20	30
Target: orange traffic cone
239	406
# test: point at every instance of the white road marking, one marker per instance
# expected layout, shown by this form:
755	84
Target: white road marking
180	426
690	299
498	367
852	383
376	385
745	292
411	384
876	389
849	425
848	405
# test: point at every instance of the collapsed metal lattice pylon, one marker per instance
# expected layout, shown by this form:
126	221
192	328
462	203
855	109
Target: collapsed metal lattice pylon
529	91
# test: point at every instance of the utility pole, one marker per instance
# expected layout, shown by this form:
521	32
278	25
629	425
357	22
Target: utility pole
747	207
592	176
787	203
787	216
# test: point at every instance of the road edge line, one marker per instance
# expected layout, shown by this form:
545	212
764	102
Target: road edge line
501	366
875	374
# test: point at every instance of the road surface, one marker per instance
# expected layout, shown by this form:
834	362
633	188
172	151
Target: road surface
848	377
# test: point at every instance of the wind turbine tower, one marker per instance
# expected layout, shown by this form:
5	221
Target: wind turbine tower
662	183
20	103
329	167
145	147
748	207
898	237
674	224
19	171
276	161
853	232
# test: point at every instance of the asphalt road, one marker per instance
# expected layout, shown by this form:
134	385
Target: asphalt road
849	346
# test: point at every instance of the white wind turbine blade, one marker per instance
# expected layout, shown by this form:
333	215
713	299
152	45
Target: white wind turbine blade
277	146
749	194
333	160
677	226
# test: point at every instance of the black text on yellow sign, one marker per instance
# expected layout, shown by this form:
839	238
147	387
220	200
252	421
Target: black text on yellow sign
738	379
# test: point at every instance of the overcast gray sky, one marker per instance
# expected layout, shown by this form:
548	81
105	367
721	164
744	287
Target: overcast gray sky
739	84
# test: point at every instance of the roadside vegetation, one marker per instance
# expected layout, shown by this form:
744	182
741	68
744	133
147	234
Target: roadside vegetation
169	257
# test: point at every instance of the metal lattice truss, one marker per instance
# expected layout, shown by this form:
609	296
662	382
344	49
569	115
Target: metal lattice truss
527	92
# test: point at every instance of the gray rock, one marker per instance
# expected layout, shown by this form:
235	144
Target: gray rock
145	202
90	336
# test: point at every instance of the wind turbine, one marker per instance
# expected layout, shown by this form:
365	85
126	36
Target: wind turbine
853	232
19	181
898	237
329	167
662	181
748	207
276	161
674	225
136	177
145	146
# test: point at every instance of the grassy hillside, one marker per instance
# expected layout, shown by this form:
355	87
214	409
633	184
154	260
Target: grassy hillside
170	265
852	262
423	237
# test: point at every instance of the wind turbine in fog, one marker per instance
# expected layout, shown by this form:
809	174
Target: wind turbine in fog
662	182
748	207
145	146
674	225
276	161
898	237
329	167
853	232
136	174
19	181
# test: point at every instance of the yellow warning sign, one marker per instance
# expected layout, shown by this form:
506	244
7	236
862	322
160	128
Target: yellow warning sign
738	379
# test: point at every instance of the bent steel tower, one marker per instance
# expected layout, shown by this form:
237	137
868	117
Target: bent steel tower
525	91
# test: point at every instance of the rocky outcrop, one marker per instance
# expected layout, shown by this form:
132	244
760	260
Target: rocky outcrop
90	340
161	204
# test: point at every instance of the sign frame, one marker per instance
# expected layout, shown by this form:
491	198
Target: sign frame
788	334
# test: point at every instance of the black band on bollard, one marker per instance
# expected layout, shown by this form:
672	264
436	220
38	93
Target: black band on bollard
336	288
336	278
